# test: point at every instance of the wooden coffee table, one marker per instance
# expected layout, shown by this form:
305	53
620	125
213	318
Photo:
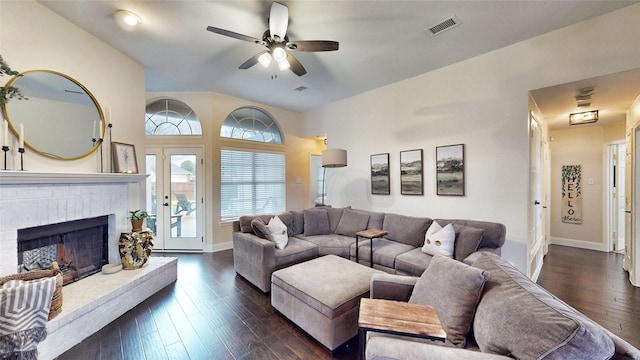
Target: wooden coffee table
369	234
398	318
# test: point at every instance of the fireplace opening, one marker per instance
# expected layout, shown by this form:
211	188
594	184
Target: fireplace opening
80	247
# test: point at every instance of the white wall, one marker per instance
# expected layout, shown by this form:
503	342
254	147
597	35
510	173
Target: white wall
33	37
481	102
212	109
583	146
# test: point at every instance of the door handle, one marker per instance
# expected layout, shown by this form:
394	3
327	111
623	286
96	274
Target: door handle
536	202
166	204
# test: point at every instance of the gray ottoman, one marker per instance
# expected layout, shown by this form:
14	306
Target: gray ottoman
322	296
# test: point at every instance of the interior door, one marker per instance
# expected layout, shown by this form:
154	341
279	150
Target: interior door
536	193
175	197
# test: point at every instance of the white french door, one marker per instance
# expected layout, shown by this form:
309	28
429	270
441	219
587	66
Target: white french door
175	199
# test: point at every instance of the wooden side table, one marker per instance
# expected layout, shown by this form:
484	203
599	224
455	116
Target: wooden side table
398	318
369	234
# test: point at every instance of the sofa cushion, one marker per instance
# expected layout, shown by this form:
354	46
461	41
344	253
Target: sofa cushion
546	328
453	289
245	222
296	251
316	222
277	232
259	228
331	244
298	223
376	219
439	240
335	214
406	229
385	251
467	240
288	219
413	262
351	222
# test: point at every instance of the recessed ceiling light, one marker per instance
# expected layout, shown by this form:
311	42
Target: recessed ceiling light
127	18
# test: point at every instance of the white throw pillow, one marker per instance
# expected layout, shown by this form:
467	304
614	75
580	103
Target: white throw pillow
439	240
278	231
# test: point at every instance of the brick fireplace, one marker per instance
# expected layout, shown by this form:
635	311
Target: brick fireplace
32	199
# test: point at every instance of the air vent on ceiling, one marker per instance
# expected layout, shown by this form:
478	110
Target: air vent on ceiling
443	26
300	88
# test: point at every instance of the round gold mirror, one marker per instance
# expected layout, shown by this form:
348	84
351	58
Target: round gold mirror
61	118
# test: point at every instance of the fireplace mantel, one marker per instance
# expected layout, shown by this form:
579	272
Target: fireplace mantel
34	177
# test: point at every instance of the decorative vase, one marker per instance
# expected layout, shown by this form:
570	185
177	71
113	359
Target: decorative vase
135	249
136	225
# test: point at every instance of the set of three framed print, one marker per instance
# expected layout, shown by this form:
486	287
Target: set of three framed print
449	172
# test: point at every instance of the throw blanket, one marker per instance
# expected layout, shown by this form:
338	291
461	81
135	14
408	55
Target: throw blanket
24	309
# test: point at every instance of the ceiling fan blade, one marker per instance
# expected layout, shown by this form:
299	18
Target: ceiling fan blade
295	65
278	21
252	61
313	45
234	35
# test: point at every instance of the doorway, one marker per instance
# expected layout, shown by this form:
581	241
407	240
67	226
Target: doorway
615	163
175	198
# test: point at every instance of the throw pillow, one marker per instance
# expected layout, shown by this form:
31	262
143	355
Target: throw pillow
287	219
278	232
316	222
439	240
351	222
24	310
467	241
453	289
259	228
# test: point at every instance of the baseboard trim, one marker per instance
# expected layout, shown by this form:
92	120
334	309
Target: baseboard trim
578	244
227	245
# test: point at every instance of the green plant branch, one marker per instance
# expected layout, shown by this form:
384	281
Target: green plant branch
9	92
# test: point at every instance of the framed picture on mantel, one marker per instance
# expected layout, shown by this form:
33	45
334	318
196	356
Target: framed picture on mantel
124	158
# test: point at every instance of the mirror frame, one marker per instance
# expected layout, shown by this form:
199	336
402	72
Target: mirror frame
26	142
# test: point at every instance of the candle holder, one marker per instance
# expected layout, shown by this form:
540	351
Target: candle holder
21	151
101	160
5	148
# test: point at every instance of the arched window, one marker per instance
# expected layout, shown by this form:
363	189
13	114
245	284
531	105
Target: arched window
251	181
249	123
166	116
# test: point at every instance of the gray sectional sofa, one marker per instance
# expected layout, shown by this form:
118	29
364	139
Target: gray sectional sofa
502	314
322	231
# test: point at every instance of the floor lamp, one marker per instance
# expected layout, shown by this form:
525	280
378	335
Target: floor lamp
332	158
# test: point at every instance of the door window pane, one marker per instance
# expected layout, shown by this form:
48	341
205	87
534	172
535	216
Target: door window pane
183	195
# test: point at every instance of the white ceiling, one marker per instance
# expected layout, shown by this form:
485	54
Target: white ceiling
381	42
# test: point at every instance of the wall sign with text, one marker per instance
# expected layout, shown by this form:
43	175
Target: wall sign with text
571	194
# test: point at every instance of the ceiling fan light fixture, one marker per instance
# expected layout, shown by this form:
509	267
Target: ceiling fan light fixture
265	59
279	54
283	65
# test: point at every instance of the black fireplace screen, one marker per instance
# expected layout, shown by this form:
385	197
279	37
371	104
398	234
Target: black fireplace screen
79	247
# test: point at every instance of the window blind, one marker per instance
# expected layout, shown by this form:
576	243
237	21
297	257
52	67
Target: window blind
251	183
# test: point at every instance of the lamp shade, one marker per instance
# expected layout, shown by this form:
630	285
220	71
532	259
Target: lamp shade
334	158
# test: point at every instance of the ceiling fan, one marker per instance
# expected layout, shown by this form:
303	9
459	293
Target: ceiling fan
277	43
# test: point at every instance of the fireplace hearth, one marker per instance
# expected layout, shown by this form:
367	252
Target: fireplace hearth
80	247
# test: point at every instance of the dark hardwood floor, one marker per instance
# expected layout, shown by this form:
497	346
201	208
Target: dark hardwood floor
210	313
594	283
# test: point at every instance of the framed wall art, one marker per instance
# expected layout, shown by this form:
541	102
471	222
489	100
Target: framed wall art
380	182
450	170
411	175
124	158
